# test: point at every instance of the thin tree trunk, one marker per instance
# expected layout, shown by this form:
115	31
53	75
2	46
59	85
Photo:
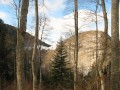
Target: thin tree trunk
102	83
40	82
41	38
115	72
97	62
34	71
20	46
76	42
105	41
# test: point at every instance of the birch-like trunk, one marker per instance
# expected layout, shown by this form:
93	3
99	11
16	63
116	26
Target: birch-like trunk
34	71
20	46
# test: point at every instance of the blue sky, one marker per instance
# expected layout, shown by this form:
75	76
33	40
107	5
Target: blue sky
59	19
55	10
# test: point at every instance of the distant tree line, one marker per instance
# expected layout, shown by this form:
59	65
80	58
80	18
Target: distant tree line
6	63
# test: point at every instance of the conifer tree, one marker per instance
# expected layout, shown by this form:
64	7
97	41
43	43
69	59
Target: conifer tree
62	76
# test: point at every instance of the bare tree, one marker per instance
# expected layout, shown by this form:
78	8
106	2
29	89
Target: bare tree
105	42
76	42
41	38
115	64
43	30
34	55
20	45
95	20
16	7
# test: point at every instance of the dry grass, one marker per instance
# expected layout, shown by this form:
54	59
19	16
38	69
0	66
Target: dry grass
28	85
13	86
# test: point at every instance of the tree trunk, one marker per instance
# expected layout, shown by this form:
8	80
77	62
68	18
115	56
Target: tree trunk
34	71
76	42
97	62
102	83
105	41
115	73
40	82
20	46
40	51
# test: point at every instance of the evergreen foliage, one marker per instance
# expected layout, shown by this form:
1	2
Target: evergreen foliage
1	21
6	65
62	75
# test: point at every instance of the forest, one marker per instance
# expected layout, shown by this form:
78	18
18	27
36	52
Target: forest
85	55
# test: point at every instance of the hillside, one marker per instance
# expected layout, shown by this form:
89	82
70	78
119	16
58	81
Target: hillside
87	49
11	36
8	39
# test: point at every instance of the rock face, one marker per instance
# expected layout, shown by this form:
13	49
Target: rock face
87	50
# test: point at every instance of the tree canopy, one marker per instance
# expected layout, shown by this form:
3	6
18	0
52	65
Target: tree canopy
1	21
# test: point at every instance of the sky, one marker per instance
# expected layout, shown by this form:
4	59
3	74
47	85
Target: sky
60	16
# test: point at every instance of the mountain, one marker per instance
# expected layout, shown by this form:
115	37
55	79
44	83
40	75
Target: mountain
87	50
11	37
8	40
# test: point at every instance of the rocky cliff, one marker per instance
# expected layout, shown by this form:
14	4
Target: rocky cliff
87	50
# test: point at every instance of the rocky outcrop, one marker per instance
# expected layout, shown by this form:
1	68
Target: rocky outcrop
87	50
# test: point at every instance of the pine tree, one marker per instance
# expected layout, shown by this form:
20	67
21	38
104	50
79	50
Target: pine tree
61	74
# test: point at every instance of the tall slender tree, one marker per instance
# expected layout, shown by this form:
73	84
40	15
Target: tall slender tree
16	7
96	24
35	47
105	41
20	45
115	64
76	42
42	21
